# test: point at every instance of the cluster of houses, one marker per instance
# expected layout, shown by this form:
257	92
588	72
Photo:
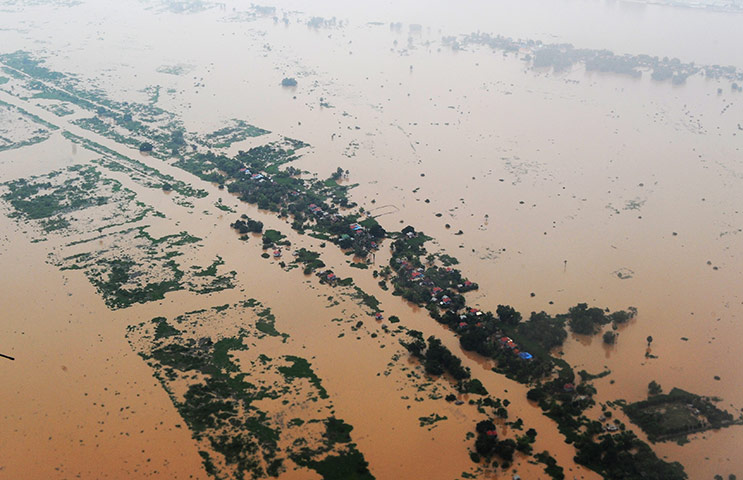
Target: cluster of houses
327	276
259	177
417	275
439	296
507	342
320	213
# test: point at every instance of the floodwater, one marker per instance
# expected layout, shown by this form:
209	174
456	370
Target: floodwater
558	182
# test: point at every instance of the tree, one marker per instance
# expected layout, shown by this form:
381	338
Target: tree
484	427
508	314
586	321
610	337
338	174
145	147
654	388
650	340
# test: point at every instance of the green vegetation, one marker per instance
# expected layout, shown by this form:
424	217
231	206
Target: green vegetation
211	270
552	468
38	198
163	329
348	464
235	131
112	286
137	170
310	260
436	358
676	414
562	57
274	238
367	299
138	268
654	388
301	368
267	324
220	401
431	420
246	225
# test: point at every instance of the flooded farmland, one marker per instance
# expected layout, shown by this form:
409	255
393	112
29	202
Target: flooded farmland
246	241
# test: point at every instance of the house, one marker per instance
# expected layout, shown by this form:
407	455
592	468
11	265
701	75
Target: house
462	324
491	433
379	316
568	387
437	290
257	176
416	275
277	254
445	300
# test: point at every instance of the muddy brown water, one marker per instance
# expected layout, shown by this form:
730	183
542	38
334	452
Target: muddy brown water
607	169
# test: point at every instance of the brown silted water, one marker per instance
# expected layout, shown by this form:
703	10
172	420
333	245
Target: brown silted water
574	154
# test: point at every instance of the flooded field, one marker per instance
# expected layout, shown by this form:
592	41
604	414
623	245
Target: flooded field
154	338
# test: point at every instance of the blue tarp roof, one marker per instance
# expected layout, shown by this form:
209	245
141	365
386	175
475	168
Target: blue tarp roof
525	355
